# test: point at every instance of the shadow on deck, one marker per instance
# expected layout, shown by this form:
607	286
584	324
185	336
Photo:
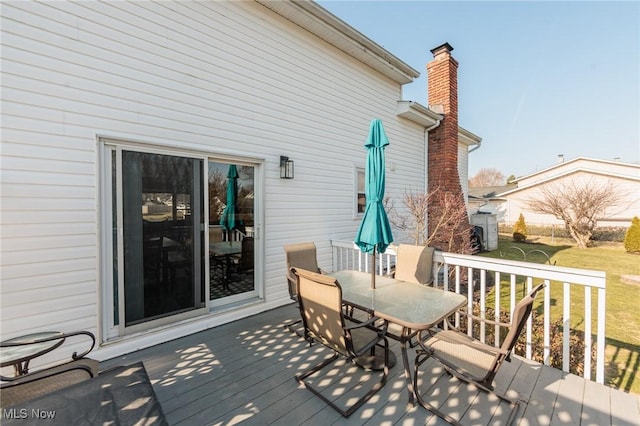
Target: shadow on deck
243	372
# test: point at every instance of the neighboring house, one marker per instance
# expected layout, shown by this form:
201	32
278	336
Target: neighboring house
624	177
120	121
486	200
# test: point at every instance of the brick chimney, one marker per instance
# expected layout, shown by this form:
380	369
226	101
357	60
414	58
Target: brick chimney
443	176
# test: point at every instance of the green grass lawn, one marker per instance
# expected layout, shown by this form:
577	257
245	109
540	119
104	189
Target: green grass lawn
622	361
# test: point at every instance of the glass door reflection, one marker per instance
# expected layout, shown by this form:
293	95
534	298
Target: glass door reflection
231	222
162	239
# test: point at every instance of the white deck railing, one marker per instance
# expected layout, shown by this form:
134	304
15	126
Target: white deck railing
346	255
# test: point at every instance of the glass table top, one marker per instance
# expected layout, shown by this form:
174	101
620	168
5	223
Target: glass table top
10	355
415	306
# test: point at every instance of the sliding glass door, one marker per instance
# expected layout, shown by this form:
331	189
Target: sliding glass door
179	234
162	199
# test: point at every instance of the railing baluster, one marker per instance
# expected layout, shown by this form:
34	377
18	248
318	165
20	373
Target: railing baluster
483	304
600	338
587	333
457	268
470	300
498	300
566	326
529	321
512	298
546	350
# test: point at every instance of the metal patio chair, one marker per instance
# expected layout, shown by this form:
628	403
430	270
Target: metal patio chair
414	264
470	360
321	308
303	256
29	384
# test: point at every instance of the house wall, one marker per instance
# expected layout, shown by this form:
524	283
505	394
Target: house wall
214	77
613	168
627	186
463	170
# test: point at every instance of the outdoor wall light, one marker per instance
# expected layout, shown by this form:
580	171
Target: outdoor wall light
286	168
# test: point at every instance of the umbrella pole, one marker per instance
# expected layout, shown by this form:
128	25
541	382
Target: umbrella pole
373	269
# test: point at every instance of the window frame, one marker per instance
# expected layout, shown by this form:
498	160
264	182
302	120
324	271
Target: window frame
357	170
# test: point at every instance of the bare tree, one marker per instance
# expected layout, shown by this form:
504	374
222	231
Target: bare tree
449	231
579	204
487	177
217	192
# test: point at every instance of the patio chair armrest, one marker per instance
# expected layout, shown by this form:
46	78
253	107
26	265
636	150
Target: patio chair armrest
472	343
484	320
487	348
56	337
370	323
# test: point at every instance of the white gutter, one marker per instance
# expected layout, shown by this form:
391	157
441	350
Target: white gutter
468	138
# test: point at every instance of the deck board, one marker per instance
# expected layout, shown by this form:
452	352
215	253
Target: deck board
243	372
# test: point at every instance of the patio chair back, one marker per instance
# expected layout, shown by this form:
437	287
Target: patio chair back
246	255
320	301
414	264
519	318
303	256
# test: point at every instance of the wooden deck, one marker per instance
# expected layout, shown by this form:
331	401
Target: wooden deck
243	372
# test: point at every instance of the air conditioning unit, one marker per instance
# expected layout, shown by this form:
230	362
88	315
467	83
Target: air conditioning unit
489	224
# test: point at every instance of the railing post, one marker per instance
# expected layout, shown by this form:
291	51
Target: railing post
601	335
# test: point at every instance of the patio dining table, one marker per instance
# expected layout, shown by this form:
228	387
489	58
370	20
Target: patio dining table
225	250
412	306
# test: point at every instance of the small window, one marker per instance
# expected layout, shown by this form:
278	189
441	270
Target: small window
361	199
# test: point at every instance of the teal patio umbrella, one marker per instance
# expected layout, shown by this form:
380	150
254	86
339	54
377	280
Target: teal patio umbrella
229	220
374	233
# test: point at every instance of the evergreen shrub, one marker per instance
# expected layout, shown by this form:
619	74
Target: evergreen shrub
632	237
520	230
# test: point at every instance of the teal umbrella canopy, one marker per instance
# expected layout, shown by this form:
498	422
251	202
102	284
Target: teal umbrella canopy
228	220
374	233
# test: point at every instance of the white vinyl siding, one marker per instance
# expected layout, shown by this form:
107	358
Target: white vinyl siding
225	78
463	171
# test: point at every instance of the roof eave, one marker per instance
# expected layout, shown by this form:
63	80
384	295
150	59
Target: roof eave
420	114
322	23
467	138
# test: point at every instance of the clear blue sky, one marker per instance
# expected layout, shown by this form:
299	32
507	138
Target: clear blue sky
535	79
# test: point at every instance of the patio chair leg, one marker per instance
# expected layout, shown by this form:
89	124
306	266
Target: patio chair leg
290	326
421	357
345	413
